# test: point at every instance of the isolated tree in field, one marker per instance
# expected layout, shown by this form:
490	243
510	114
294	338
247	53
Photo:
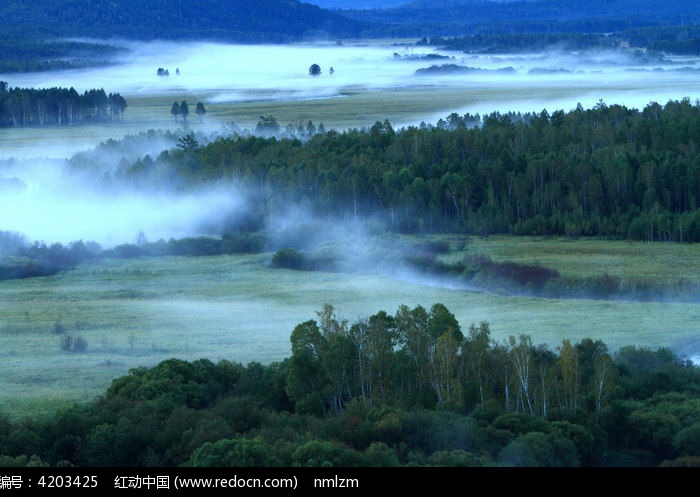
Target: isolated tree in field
200	110
184	110
175	110
314	70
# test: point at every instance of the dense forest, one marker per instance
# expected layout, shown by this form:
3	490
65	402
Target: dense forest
606	171
57	106
405	389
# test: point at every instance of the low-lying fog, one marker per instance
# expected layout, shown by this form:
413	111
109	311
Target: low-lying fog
220	74
234	73
47	201
57	212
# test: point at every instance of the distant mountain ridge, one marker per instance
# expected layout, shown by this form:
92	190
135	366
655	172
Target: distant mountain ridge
292	20
463	17
583	8
357	4
225	20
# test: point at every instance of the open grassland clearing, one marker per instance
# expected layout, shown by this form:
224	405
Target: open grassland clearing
664	263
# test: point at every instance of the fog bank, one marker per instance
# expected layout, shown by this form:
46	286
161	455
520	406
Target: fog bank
237	73
224	75
41	201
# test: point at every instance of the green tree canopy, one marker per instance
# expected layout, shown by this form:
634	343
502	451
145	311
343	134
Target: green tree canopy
184	110
175	110
200	110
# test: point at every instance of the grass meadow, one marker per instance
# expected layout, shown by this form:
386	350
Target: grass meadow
138	312
662	262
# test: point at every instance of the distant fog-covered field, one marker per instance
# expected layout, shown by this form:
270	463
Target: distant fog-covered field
269	78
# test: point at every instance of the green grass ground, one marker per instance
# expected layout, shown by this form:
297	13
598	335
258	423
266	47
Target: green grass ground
665	263
139	312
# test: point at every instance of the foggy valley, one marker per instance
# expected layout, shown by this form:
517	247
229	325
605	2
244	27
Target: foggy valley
505	202
47	199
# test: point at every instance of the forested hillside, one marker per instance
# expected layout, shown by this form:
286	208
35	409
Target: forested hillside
466	17
291	20
31	34
221	20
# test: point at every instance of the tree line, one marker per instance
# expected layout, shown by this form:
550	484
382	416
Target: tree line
253	21
499	42
408	389
22	53
421	357
604	171
21	259
546	17
57	106
655	39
